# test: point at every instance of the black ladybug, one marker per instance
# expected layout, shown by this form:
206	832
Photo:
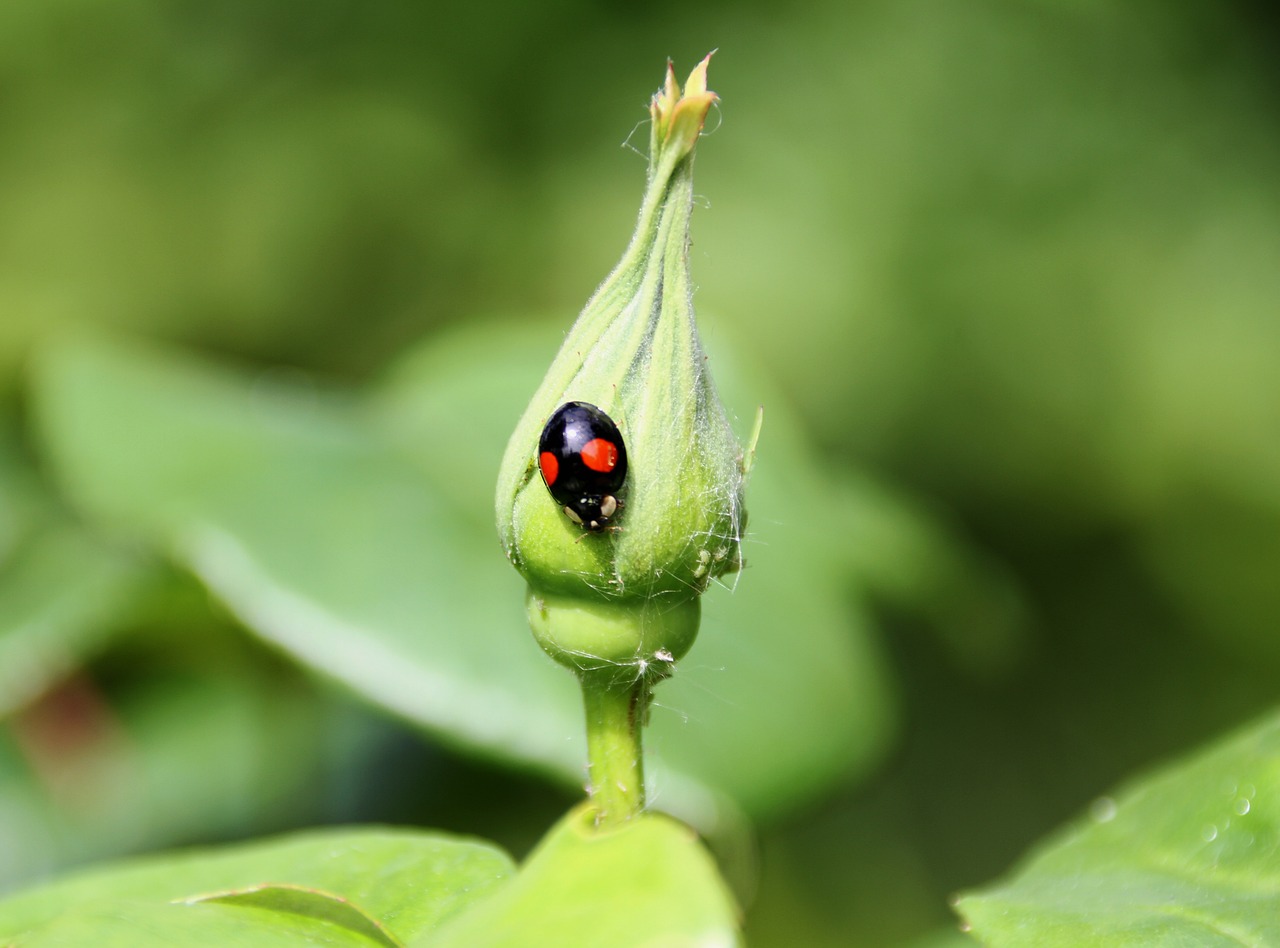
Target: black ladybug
583	463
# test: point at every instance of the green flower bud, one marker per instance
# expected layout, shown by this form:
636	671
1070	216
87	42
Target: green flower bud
629	592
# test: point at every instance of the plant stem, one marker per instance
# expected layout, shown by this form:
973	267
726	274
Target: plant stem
615	716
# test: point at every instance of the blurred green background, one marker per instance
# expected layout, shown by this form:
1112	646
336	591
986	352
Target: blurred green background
274	275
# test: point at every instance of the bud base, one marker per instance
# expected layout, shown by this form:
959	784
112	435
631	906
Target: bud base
618	641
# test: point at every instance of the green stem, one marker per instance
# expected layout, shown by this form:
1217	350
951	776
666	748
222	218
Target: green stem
615	716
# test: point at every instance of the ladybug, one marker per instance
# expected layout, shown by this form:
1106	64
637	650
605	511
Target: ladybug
583	463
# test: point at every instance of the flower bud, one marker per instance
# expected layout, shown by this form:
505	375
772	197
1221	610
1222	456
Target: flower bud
634	354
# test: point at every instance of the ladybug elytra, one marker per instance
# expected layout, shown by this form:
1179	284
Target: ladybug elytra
583	463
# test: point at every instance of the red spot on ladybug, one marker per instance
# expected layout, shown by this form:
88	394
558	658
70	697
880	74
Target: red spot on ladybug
600	455
550	467
583	463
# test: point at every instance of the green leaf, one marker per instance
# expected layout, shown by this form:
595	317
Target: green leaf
361	541
334	887
1190	856
64	592
63	596
647	882
908	558
149	925
307	903
16	488
212	746
316	534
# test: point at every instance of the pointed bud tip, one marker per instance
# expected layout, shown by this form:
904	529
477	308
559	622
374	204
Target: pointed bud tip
697	84
678	116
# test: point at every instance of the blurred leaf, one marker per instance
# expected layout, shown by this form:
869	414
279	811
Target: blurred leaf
1188	856
62	598
383	573
913	561
316	535
397	881
64	592
107	744
212	745
15	499
1216	553
648	882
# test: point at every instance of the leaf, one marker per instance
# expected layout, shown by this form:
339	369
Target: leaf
63	596
907	558
316	534
1189	856
127	924
361	541
16	502
307	903
215	745
64	592
335	887
648	882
